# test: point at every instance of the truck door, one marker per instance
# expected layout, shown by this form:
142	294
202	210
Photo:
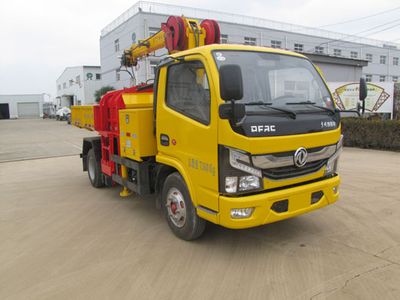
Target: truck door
187	127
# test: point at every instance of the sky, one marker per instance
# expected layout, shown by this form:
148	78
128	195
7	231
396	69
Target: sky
39	38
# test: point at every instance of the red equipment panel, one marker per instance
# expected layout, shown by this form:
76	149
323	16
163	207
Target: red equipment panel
106	122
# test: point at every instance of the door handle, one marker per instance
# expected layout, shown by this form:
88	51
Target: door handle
164	139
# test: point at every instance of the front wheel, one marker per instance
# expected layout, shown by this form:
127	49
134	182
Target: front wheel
179	210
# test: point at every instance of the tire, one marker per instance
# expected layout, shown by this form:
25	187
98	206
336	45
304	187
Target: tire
179	210
94	170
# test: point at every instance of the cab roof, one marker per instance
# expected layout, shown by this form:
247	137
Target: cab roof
215	47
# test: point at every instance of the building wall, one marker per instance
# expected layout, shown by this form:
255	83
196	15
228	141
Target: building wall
340	73
109	54
140	23
79	82
13	101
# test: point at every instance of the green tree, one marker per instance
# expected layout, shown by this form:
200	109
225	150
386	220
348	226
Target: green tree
100	92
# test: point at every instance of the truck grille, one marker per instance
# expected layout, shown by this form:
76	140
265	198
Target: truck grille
292	171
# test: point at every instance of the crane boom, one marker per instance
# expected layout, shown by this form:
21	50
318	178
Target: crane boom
177	34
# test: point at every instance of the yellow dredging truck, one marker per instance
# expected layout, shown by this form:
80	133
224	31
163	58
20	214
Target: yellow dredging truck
236	135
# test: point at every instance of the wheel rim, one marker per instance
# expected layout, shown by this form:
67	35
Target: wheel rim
91	168
176	207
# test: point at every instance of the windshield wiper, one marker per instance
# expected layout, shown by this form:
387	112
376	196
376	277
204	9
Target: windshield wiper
313	104
289	112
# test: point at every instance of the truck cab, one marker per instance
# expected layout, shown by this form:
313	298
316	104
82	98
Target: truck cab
236	135
252	131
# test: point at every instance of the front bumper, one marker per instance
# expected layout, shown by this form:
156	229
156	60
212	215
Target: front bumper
299	202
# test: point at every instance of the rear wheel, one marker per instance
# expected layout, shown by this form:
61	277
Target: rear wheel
94	170
179	210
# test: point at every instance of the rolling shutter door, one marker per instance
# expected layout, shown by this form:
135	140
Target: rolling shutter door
28	110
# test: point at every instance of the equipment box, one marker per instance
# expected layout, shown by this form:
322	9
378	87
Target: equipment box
137	138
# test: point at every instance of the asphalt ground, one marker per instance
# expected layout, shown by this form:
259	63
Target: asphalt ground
62	239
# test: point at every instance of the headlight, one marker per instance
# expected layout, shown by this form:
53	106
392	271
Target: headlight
249	183
237	174
333	163
246	183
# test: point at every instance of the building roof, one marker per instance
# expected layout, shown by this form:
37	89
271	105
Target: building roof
168	9
337	60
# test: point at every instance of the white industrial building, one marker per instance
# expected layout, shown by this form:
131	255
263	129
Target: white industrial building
21	106
77	85
341	57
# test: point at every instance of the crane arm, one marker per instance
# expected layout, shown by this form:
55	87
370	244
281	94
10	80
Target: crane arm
177	34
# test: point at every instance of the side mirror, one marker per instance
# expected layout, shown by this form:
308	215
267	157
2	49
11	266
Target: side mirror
236	112
363	92
230	82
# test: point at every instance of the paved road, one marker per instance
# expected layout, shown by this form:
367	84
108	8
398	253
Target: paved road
32	139
63	239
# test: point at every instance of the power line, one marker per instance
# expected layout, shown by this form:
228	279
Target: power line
353	37
369	34
385	29
361	18
372	28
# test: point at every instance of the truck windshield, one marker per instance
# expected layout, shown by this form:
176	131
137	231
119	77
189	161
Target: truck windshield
277	80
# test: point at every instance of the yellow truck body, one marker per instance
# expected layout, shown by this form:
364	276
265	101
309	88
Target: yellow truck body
192	148
82	116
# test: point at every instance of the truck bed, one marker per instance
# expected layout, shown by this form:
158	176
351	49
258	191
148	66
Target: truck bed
82	116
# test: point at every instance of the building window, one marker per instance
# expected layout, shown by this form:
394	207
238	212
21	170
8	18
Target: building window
395	78
89	76
116	45
64	85
182	97
276	44
98	76
337	52
59	87
368	57
382	78
71	82
299	47
368	78
153	30
395	61
354	54
78	80
319	50
133	37
382	60
153	66
250	41
224	39
117	75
